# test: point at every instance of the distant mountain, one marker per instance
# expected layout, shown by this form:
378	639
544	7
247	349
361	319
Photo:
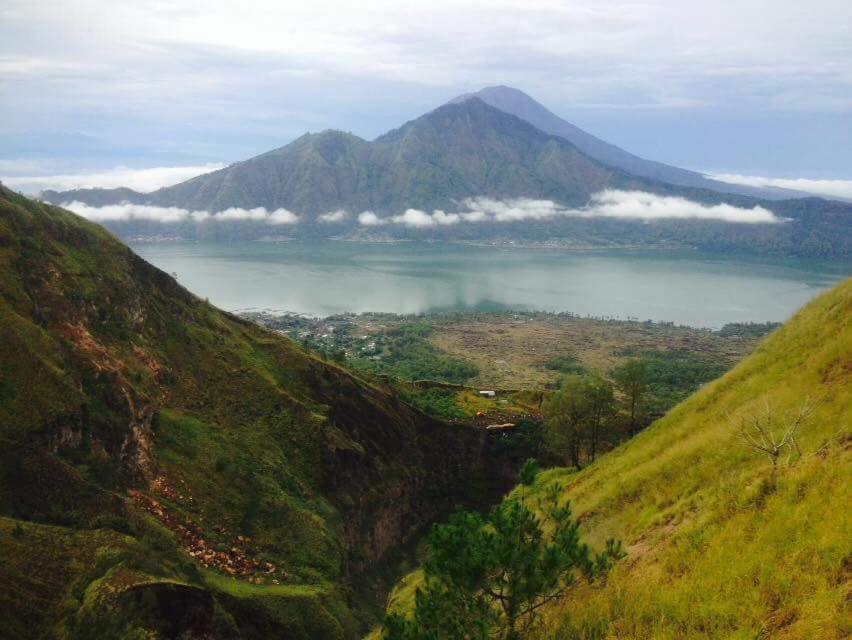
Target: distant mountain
457	151
524	107
468	149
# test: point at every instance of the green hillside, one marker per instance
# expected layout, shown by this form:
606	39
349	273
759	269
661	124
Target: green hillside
167	467
714	549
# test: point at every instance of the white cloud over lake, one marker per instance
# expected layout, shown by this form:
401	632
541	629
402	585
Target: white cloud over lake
127	211
143	180
818	186
611	203
648	206
369	219
334	216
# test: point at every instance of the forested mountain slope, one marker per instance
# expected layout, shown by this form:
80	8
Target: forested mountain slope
166	467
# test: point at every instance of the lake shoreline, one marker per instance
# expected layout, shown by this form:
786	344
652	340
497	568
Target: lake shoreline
326	278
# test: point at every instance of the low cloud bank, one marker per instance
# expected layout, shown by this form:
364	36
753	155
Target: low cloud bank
334	216
143	180
635	205
647	206
126	212
823	187
630	205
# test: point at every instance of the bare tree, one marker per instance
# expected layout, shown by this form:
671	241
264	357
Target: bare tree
777	438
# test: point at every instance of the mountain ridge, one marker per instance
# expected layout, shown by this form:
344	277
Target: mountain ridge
153	447
428	162
445	158
520	104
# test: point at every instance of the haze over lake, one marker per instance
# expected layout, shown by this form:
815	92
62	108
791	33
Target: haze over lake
324	278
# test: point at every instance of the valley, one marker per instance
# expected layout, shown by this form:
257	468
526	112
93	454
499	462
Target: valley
517	353
169	468
717	543
192	471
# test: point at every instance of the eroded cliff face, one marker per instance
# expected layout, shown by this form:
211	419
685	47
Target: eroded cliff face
116	383
385	507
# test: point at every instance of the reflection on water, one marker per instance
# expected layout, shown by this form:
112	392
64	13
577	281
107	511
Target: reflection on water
323	278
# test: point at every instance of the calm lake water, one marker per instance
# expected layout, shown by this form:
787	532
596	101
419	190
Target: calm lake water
323	278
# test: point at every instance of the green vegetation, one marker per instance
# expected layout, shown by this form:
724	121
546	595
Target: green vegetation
714	549
565	365
436	401
748	329
579	417
723	539
671	376
489	577
632	380
176	455
501	350
408	355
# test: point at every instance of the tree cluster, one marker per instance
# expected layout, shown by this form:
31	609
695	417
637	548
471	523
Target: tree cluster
489	577
586	412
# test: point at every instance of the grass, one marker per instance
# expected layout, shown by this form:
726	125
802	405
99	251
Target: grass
243	589
533	350
112	375
408	354
714	551
46	570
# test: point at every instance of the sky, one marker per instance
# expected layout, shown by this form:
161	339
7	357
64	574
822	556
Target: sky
145	94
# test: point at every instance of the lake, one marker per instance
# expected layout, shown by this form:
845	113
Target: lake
327	277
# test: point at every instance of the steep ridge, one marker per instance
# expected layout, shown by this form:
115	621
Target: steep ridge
166	466
715	551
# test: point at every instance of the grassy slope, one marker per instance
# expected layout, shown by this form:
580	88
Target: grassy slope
713	553
101	355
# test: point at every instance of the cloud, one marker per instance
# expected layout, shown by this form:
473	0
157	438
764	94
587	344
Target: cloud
420	219
334	216
474	216
413	218
144	180
513	210
647	206
282	216
369	219
169	215
823	187
611	203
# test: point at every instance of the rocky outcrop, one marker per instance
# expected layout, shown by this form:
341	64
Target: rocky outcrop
385	510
